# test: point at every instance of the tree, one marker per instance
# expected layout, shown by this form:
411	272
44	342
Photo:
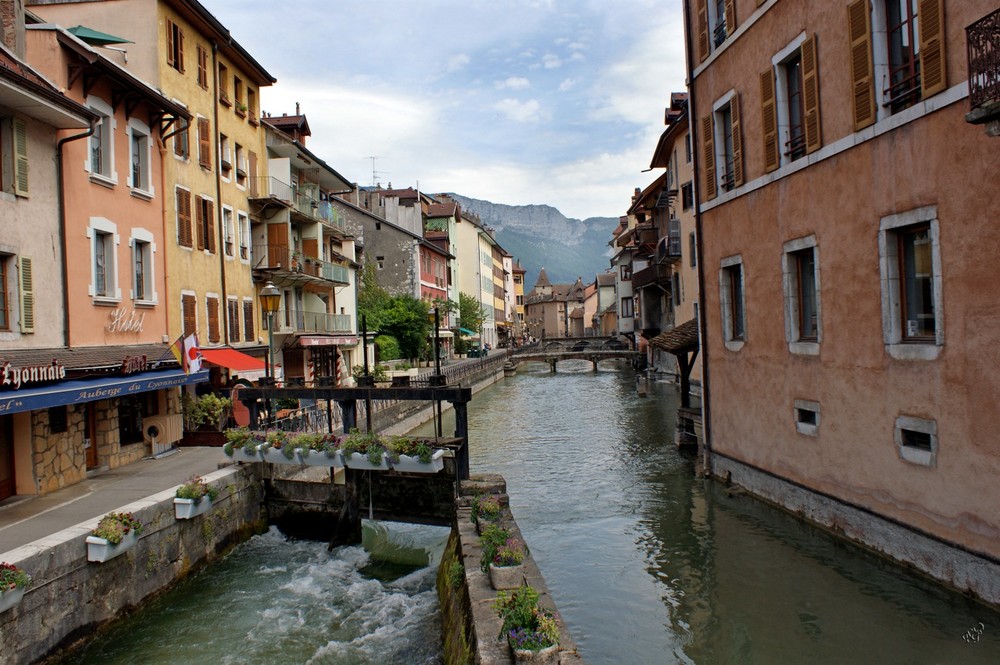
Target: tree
373	300
406	319
471	314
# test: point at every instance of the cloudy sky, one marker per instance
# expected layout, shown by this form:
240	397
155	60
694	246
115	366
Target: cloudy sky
513	101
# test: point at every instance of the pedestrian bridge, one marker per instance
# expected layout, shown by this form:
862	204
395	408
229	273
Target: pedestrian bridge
593	349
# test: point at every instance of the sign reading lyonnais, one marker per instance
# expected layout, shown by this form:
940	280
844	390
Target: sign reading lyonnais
15	377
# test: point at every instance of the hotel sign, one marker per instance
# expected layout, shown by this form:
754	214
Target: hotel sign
15	377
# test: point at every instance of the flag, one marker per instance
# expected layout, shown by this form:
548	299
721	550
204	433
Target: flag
192	354
177	348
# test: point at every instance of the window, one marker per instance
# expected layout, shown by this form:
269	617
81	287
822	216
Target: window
233	312
626	271
380	261
224	85
903	44
692	249
5	261
204	144
184	233
252	105
687	148
675	288
687	196
733	301
189	313
229	230
716	21
722	146
244	231
102	144
103	236
212	306
725	116
225	165
240	107
910	265
917	440
248	329
58	420
800	279
175	46
202	67
790	104
627	310
241	167
806	417
205	223
182	146
142	266
139	156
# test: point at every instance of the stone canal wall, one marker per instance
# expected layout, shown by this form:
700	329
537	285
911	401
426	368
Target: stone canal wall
70	598
471	625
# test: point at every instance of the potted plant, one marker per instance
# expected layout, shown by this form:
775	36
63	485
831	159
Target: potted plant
485	511
242	444
278	448
415	455
365	450
115	533
531	631
13	583
193	498
506	569
320	449
205	417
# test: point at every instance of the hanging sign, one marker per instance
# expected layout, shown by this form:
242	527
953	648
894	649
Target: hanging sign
15	377
133	364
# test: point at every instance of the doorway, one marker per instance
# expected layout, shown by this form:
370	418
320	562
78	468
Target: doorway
90	436
8	486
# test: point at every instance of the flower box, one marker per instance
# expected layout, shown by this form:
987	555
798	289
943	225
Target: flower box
320	458
547	656
185	509
10	598
360	461
245	454
100	550
506	577
412	464
276	456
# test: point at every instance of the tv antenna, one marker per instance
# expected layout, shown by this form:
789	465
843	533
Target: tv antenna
375	174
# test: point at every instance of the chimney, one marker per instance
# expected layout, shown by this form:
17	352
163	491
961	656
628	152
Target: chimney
12	26
297	109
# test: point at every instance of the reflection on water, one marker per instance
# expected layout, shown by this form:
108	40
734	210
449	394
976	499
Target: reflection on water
649	564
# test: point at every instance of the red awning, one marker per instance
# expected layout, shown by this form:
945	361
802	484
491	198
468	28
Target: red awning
233	359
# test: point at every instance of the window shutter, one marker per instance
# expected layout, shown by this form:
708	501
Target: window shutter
213	318
248	330
233	307
20	157
184	234
734	112
730	9
708	148
209	224
27	296
170	42
189	308
252	172
702	30
810	95
204	144
769	120
180	50
199	220
859	27
932	63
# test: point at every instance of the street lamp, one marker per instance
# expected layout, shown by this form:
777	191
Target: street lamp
270	301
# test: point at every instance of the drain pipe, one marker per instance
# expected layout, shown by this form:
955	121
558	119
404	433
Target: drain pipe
706	408
220	231
63	236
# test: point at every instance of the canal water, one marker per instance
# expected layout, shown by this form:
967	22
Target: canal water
646	562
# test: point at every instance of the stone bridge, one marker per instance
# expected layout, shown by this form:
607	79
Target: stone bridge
594	349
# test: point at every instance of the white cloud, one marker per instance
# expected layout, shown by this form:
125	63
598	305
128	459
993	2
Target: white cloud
567	85
513	83
551	61
457	62
518	111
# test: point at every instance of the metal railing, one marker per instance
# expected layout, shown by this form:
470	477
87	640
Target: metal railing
282	257
266	186
308	321
983	47
319	210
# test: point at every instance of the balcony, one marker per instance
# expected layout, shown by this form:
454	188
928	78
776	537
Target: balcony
668	250
983	45
322	211
306	321
286	266
264	188
655	275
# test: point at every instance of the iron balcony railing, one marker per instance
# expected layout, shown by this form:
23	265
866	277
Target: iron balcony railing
320	210
284	259
266	186
307	321
656	274
983	44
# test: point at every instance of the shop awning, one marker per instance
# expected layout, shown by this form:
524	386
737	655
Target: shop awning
90	390
466	332
232	359
444	333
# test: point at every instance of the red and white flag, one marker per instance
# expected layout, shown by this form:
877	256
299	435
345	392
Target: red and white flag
192	355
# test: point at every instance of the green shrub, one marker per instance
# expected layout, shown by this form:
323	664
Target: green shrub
386	348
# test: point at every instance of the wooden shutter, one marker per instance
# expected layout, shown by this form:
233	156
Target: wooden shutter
769	120
27	296
810	95
209	224
213	318
234	320
734	113
170	43
730	9
248	330
199	220
252	173
189	311
932	63
859	27
702	30
204	144
184	218
20	157
180	50
708	150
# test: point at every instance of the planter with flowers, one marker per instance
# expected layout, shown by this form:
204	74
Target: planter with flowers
278	448
531	631
319	449
366	450
485	510
194	498
115	534
242	445
415	455
13	583
505	567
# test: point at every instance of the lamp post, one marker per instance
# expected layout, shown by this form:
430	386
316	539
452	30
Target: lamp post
270	301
